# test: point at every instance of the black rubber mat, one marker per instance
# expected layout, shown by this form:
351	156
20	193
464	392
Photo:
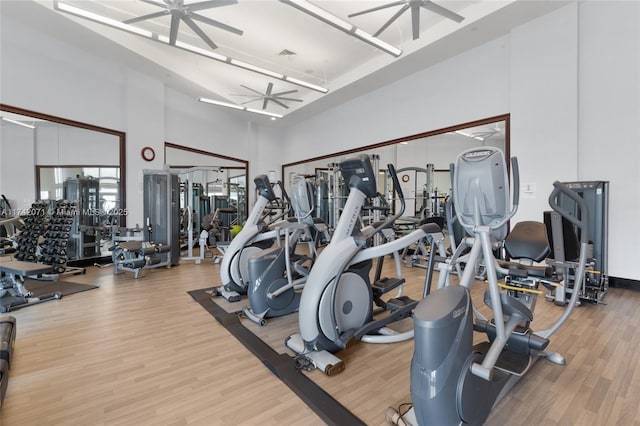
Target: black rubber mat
281	365
41	288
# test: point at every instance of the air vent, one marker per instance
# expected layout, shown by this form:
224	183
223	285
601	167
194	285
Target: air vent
286	52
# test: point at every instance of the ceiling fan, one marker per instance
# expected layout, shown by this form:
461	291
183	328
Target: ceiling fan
415	6
269	97
186	13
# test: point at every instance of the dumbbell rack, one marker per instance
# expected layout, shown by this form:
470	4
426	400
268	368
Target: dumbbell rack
53	251
34	226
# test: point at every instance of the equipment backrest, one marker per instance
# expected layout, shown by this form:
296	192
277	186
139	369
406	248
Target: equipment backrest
264	187
358	172
481	189
562	236
302	197
528	240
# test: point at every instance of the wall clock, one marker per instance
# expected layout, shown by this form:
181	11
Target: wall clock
405	178
148	154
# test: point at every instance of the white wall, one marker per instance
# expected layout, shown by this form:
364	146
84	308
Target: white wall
17	174
609	120
543	99
468	87
43	74
571	87
570	80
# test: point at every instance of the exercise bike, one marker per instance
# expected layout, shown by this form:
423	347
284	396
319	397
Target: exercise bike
336	306
277	274
454	382
255	236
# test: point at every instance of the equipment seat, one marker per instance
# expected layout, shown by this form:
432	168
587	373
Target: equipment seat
527	241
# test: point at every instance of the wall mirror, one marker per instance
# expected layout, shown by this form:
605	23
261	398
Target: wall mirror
49	158
422	161
218	182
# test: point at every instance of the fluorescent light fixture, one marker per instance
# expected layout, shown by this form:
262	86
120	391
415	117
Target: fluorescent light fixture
61	6
321	14
224	104
255	68
19	123
305	84
241	108
270	114
101	19
339	23
199	51
376	42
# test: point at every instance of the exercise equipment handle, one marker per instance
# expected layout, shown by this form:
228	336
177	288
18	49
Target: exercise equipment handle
286	197
397	188
560	188
515	173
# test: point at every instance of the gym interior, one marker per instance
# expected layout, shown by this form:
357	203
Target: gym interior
152	187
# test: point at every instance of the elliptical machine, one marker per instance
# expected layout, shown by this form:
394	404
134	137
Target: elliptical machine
336	306
277	274
255	236
452	381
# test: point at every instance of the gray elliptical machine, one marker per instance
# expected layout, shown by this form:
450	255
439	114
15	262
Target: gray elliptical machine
454	382
277	274
336	306
255	236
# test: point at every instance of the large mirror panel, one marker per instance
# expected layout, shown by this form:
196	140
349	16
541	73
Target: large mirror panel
422	161
50	159
218	190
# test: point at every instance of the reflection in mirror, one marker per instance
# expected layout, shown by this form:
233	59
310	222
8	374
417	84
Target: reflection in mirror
64	153
422	161
57	183
218	184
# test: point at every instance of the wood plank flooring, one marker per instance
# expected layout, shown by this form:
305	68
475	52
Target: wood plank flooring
144	352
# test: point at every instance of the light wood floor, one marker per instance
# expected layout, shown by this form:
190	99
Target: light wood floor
144	352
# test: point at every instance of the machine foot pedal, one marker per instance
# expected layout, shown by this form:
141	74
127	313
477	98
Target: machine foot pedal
385	285
399	303
508	361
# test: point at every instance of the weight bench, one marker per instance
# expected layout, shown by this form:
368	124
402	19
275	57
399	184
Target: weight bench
12	275
7	343
133	256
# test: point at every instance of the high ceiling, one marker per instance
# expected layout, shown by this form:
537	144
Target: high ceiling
276	36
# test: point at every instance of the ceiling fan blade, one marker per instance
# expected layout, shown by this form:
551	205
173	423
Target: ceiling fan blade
248	102
390	21
175	23
279	103
210	4
254	91
287	99
373	9
246	95
415	22
442	11
264	104
215	23
285	92
196	29
269	89
145	17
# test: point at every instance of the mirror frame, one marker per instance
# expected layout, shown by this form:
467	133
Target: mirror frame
122	144
210	154
504	117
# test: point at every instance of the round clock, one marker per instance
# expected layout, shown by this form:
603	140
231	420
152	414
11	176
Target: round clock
405	178
148	154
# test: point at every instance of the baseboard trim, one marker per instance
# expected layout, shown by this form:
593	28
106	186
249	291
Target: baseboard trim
624	283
